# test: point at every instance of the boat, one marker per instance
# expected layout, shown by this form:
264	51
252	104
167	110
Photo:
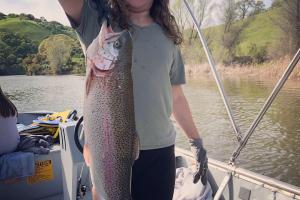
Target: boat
63	174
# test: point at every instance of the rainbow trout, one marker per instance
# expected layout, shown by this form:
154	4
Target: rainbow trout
109	122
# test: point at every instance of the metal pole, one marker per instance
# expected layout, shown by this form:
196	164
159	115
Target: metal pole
215	73
222	187
267	104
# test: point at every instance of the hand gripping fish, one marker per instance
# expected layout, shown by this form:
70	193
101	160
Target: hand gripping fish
109	122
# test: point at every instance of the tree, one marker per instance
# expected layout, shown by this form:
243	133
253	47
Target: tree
23	16
230	14
199	8
259	6
13	48
43	19
288	22
232	31
179	14
244	6
30	17
12	15
36	64
2	16
276	3
57	50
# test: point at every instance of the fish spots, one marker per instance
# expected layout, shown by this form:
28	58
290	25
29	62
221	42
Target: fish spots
110	128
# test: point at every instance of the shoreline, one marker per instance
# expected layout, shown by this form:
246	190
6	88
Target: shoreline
271	69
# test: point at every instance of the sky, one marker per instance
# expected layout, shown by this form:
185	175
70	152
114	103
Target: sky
50	9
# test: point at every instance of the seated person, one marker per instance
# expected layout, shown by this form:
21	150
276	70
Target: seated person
9	135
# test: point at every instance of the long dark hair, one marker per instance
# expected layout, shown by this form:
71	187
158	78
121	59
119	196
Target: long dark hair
7	108
118	12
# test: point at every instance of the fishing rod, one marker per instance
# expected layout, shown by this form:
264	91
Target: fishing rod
215	73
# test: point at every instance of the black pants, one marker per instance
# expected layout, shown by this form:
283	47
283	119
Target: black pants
153	175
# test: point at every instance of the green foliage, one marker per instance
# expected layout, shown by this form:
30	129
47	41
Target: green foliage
288	21
24	16
261	32
277	3
14	48
244	7
12	15
26	28
35	29
2	16
36	64
259	7
56	28
258	53
59	50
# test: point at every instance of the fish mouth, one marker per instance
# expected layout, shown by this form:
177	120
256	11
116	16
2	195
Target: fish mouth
103	72
102	67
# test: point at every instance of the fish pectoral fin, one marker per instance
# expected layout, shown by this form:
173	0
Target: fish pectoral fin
136	148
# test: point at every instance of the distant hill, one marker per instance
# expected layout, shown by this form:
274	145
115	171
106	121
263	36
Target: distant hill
260	38
20	39
34	29
261	33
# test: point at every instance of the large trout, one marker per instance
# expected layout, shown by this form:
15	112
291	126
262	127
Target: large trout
109	123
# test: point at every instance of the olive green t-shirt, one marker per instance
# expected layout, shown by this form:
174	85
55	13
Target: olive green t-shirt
157	65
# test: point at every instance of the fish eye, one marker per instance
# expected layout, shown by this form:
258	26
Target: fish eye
117	44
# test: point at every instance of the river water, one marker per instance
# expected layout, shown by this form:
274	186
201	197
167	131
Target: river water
273	150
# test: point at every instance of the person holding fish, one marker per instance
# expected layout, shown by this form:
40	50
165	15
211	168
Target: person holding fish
142	36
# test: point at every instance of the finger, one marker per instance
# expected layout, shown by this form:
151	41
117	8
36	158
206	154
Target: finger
204	179
197	177
204	173
86	154
204	168
201	168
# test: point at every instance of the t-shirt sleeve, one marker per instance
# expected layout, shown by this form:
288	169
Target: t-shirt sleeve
89	27
177	73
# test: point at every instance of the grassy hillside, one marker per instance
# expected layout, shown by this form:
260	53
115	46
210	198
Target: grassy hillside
20	39
261	32
36	31
24	27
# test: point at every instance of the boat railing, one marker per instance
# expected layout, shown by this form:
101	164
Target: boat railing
257	179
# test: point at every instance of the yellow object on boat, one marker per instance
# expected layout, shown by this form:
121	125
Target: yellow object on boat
52	121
